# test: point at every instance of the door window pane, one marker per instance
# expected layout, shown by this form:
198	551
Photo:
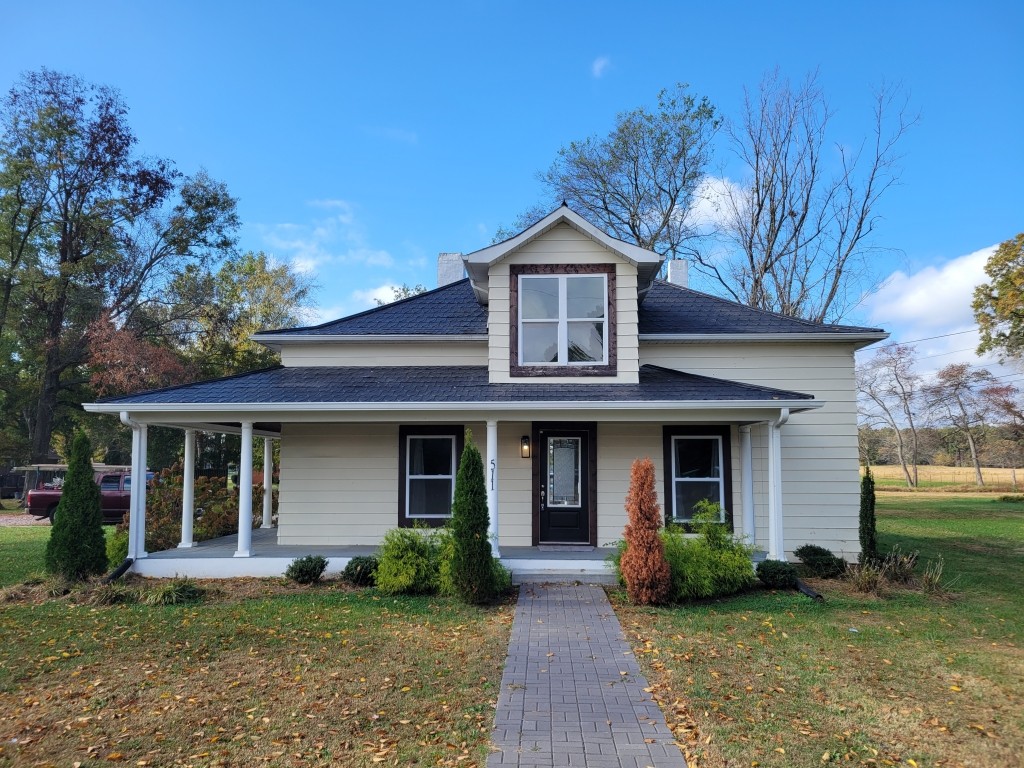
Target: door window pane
563	472
538	298
584	297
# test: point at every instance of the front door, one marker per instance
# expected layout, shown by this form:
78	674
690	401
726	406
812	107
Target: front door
564	484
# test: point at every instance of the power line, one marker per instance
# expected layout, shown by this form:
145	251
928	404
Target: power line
927	338
941	354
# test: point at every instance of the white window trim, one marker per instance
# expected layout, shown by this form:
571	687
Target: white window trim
721	479
563	323
409	477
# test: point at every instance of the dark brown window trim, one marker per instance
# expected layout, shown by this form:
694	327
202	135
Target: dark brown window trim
716	430
515	369
458	431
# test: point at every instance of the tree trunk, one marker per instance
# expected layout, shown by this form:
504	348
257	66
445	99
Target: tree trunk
974	459
46	409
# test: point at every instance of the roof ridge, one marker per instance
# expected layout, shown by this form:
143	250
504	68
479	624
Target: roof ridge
365	312
768	312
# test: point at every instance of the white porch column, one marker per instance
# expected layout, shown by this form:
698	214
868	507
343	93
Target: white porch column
133	499
245	493
747	483
188	490
491	475
268	481
776	532
139	489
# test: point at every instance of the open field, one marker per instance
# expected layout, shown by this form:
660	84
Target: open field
264	673
890	476
779	680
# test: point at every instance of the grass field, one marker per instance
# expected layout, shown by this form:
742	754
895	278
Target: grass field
890	476
779	680
263	674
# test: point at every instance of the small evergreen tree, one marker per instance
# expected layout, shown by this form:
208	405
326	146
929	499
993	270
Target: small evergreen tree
868	540
644	567
77	547
472	570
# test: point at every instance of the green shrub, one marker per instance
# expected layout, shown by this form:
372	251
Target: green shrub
306	570
1014	498
408	562
361	571
115	593
777	574
867	527
117	547
173	592
77	547
472	569
820	561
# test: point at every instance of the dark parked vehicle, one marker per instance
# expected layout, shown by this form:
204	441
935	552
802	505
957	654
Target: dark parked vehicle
115	494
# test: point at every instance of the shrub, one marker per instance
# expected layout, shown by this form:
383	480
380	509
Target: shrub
77	547
777	574
866	577
173	592
361	571
867	528
931	577
820	561
113	594
117	546
408	562
643	565
898	566
1014	498
472	567
306	570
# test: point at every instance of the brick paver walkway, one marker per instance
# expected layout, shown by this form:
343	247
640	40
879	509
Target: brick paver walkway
572	693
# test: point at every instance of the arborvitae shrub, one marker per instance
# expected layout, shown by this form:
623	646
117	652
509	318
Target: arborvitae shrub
643	565
306	570
868	534
777	574
77	548
361	571
820	561
472	566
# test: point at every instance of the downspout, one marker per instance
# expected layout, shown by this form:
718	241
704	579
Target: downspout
133	503
776	536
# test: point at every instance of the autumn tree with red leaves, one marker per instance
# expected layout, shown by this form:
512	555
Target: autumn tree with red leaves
644	567
122	362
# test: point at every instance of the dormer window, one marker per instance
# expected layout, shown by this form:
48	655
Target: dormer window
563	320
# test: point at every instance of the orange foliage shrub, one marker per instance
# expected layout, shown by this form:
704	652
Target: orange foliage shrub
644	567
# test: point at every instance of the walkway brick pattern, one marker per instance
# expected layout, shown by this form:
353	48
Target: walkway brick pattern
572	693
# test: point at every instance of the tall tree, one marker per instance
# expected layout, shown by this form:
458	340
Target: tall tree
88	226
955	396
999	304
639	183
801	220
890	390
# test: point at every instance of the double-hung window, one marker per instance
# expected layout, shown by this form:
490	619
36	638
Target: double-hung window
698	470
563	321
428	458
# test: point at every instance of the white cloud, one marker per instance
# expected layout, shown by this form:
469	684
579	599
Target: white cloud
711	203
599	66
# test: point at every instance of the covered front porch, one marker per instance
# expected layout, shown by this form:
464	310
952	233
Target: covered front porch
215	559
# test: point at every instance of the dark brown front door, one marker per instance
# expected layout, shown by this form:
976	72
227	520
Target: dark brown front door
566	471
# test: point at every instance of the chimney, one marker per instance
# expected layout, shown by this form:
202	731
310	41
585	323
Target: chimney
678	270
450	268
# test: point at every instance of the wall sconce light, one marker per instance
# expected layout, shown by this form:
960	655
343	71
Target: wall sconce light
524	447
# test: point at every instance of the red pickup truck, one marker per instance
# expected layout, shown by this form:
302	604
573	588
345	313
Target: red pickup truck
115	492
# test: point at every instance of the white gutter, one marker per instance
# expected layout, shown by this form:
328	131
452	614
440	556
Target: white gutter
390	338
691	338
537	405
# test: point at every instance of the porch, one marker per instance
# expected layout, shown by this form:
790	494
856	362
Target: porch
216	559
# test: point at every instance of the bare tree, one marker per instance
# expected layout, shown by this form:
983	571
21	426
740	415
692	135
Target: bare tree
956	397
800	223
891	391
640	182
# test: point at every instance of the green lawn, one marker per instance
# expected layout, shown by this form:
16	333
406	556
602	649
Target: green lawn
778	680
262	673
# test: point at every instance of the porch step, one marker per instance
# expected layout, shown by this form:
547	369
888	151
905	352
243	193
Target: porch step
562	578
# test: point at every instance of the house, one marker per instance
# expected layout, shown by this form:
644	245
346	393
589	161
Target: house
567	358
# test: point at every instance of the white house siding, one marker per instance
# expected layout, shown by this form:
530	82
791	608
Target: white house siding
396	354
564	245
339	482
819	448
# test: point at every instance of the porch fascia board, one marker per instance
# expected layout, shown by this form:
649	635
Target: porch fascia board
861	338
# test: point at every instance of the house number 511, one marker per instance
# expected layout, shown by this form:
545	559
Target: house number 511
494	465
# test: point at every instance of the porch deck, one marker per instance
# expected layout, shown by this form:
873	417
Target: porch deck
215	559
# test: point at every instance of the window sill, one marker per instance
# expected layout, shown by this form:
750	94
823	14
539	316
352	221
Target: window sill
544	371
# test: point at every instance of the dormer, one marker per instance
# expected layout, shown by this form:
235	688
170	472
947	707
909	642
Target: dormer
562	299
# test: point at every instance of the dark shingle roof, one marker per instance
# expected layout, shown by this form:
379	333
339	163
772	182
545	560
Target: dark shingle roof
450	309
672	309
439	384
667	309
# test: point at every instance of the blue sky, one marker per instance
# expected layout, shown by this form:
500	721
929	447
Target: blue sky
364	138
